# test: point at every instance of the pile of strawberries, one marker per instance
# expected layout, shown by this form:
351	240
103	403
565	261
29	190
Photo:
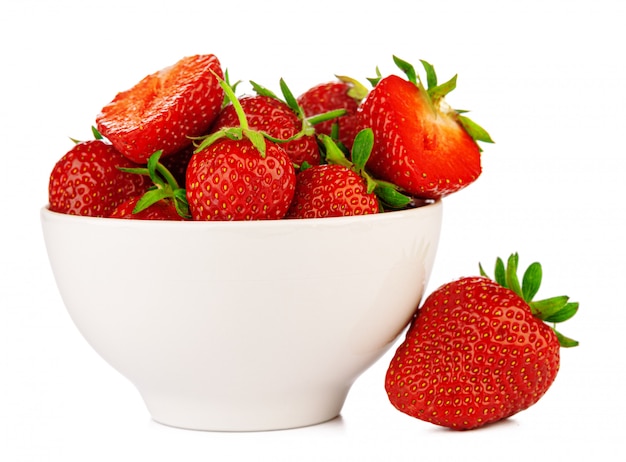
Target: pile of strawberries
180	145
338	149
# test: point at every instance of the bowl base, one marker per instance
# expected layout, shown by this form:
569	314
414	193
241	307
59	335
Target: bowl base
279	412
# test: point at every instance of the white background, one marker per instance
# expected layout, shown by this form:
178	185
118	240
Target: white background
546	78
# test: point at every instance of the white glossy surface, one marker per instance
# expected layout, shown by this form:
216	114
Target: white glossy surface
243	326
546	79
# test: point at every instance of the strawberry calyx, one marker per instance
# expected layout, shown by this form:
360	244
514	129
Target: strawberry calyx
165	187
551	310
434	94
357	90
308	123
388	194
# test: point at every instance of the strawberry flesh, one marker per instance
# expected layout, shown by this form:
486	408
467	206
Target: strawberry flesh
164	109
418	147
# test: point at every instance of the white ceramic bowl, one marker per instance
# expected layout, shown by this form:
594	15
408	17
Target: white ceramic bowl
240	326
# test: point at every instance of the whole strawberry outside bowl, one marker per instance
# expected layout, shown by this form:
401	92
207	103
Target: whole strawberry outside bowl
243	326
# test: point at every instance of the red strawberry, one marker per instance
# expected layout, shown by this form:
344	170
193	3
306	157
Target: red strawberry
164	109
274	117
160	210
236	174
342	187
421	144
479	351
345	93
331	191
164	200
87	180
232	180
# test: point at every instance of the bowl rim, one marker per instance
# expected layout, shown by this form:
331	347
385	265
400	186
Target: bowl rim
46	213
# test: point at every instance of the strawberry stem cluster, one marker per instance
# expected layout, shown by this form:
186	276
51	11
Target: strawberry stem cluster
552	310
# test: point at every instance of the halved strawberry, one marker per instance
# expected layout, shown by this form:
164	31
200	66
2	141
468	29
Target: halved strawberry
421	144
165	109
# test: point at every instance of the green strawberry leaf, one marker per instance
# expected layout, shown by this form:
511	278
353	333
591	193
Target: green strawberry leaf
262	91
440	91
512	282
408	69
544	309
500	273
374	80
564	341
151	197
388	193
566	312
362	148
291	101
474	130
96	134
431	75
531	281
357	90
334	154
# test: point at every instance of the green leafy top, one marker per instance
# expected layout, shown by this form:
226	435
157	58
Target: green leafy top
165	186
388	194
551	310
434	93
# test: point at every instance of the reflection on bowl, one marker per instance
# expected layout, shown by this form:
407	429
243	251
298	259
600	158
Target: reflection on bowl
241	326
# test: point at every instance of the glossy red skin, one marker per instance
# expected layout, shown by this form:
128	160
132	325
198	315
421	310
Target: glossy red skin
474	354
164	109
331	190
86	180
275	118
161	210
327	97
428	156
230	180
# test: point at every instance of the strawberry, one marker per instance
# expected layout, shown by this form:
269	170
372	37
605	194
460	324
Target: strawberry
478	350
165	109
421	144
331	190
340	187
87	181
344	93
164	200
274	117
237	174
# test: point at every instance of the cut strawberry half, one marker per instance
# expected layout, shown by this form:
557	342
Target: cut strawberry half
165	109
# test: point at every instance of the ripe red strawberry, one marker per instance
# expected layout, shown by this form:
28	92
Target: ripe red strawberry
479	351
87	180
164	109
341	187
237	174
232	180
421	144
331	191
344	93
274	117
